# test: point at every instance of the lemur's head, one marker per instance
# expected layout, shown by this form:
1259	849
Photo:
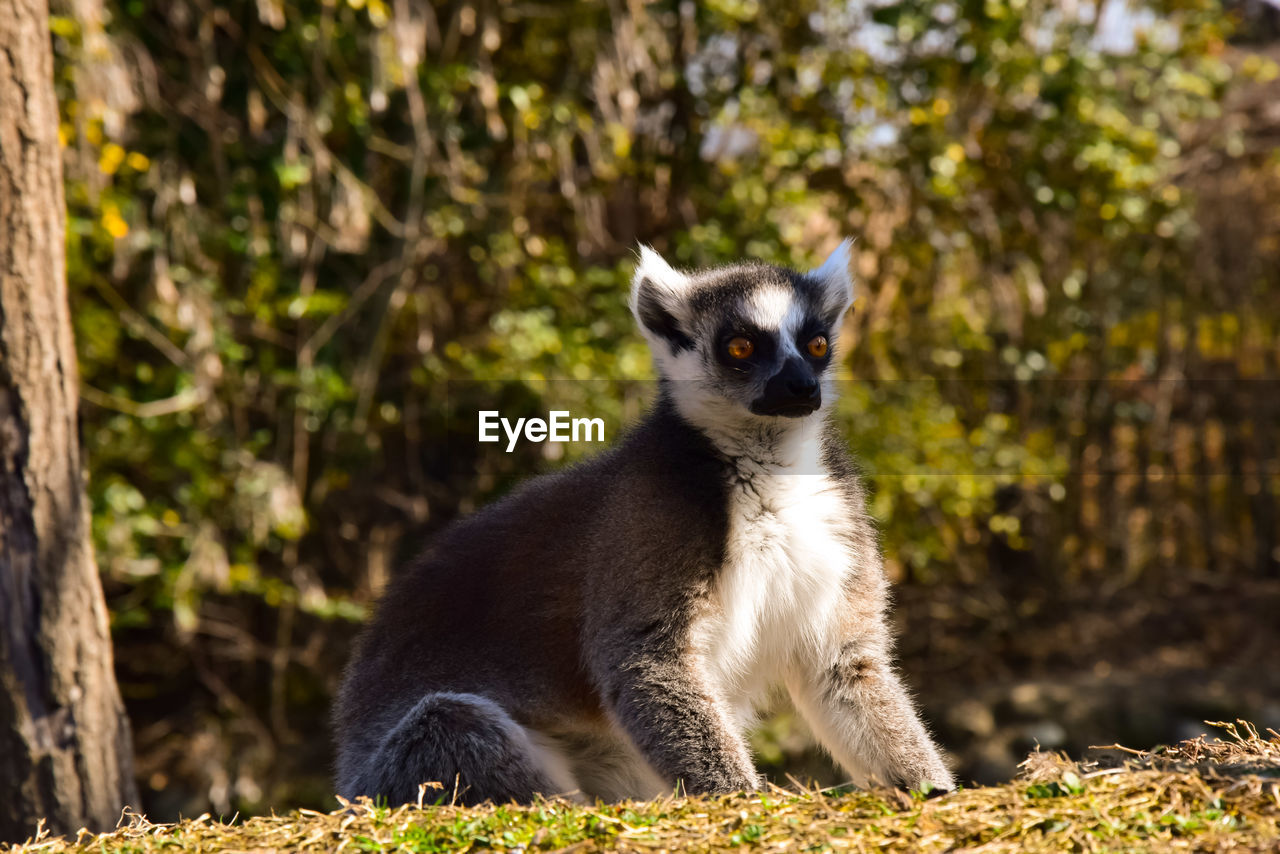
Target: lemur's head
748	340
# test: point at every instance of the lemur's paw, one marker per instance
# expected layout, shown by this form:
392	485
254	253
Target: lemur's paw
930	790
751	783
729	784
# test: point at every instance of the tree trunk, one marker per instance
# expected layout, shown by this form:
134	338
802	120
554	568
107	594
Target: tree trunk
65	751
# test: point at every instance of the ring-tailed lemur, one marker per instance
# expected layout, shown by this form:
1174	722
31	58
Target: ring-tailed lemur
610	629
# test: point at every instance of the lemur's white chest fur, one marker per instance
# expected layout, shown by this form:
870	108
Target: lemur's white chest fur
786	561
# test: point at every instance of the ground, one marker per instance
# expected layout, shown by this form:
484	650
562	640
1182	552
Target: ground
1214	794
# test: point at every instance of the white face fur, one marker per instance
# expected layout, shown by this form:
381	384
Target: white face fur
745	347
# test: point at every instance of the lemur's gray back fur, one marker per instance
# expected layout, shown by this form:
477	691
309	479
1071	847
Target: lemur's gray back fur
609	629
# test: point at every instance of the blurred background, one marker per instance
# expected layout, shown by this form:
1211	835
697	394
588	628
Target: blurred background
308	240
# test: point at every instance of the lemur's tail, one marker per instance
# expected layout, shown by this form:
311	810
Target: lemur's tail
466	743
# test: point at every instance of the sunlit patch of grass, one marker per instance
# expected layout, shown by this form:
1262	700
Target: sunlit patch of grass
1199	795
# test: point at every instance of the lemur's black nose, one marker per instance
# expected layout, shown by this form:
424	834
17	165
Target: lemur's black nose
802	386
792	392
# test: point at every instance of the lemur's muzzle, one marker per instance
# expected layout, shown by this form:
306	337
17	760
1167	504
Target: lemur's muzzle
792	392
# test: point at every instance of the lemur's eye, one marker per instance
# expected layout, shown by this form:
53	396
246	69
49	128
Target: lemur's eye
740	348
818	346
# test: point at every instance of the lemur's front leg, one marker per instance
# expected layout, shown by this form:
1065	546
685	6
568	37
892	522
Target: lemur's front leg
860	711
678	727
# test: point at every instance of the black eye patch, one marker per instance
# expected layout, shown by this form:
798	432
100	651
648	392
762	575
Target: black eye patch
763	346
812	328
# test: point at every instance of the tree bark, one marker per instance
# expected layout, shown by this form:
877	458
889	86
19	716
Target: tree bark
65	748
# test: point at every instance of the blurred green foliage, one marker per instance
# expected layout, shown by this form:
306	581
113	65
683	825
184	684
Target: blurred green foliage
308	239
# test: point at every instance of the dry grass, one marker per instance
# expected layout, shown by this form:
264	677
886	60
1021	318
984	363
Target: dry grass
1200	795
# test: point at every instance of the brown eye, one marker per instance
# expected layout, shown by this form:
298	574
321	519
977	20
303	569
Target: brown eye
740	348
818	346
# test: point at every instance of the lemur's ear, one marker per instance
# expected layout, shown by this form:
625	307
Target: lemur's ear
835	280
657	297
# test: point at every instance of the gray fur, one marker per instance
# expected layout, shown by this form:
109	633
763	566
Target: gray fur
610	628
446	736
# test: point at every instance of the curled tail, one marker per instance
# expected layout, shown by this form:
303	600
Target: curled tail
461	741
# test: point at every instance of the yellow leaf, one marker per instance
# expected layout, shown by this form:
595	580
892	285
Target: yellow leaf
114	223
112	156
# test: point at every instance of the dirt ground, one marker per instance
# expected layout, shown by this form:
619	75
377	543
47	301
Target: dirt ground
1211	795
